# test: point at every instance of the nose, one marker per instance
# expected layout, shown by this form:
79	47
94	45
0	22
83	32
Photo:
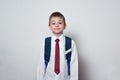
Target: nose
56	24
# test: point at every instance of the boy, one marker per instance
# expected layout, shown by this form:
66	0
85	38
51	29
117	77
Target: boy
57	63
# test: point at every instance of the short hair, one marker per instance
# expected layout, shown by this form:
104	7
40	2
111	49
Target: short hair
57	14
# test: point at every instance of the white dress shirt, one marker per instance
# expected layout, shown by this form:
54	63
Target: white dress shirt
48	73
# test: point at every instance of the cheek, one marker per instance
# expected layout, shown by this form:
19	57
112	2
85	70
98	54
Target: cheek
50	27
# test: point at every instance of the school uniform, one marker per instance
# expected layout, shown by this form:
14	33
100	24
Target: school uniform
48	73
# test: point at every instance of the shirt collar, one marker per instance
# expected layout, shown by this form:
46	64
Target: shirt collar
61	37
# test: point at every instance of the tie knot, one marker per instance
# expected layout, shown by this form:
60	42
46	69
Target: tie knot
57	40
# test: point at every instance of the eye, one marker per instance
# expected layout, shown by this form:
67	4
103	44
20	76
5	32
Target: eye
53	23
60	22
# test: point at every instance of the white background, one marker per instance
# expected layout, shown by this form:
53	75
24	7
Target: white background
93	24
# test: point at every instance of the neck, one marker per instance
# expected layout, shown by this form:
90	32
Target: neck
57	35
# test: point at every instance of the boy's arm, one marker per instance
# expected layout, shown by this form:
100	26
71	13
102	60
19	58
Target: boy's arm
74	63
41	65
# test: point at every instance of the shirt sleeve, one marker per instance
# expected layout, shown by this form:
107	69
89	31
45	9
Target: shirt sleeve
41	65
74	63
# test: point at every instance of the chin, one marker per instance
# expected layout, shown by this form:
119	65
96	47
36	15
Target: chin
57	32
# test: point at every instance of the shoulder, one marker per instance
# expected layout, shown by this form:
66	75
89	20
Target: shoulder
47	38
43	39
72	40
68	37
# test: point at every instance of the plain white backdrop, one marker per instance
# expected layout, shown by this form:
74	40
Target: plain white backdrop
93	24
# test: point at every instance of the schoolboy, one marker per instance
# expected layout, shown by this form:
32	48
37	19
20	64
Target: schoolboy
57	67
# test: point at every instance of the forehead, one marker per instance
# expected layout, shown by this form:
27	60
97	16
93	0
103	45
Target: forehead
56	18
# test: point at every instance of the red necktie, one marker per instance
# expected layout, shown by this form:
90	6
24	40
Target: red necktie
57	57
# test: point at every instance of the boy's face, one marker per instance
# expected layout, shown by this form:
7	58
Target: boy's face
57	25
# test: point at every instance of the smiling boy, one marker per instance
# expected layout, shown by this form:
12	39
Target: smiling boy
58	55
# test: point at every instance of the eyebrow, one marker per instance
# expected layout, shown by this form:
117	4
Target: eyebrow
58	20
